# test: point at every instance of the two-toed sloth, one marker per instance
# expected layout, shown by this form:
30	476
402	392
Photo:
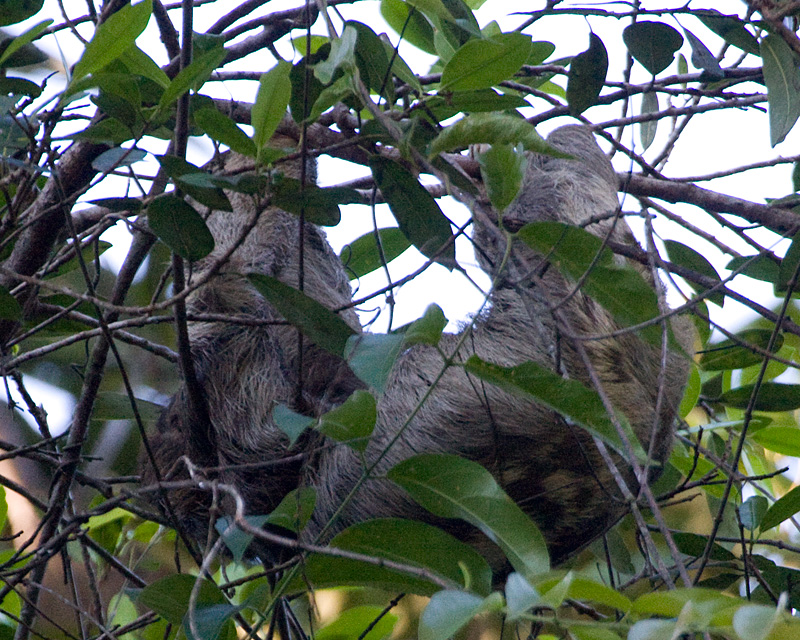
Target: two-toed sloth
549	466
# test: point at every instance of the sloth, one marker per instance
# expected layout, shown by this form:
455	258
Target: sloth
549	466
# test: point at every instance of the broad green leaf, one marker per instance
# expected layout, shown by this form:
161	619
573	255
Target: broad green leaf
587	75
169	597
293	424
117	157
19	87
691	394
201	189
400	67
300	43
117	406
10	309
782	77
734	354
729	28
541	50
365	622
452	487
339	91
648	128
234	538
691	259
772	396
480	64
706	602
781	510
306	90
180	227
22	39
449	611
108	131
417	213
372	355
192	77
322	326
568	397
221	128
13	11
428	329
580	588
409	23
491	128
362	256
342	55
140	64
520	597
112	38
318	205
759	267
790	266
372	61
404	541
652	44
752	511
693	544
352	422
620	289
502	170
703	59
274	92
480	101
784	440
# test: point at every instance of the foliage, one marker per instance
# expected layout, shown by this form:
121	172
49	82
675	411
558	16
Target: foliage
78	155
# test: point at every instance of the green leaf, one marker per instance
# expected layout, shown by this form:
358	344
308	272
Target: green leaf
620	289
404	541
362	256
782	78
169	597
729	28
652	44
772	396
756	622
409	23
492	128
576	587
372	61
318	205
274	92
703	59
22	39
352	422
790	266
568	397
354	623
221	128
781	510
449	611
117	406
587	75
760	267
293	424
479	101
339	91
342	55
694	545
180	227
734	353
648	128
428	329
691	394
416	211
479	64
371	356
400	67
111	39
117	157
752	512
322	326
502	170
108	131
19	87
140	64
195	182
453	487
783	440
520	597
10	309
304	96
13	11
192	77
691	259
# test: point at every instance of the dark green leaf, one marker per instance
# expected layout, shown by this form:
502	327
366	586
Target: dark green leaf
342	55
790	266
492	128
372	61
404	541
652	44
752	512
414	28
783	509
339	91
619	288
449	611
758	267
400	67
192	77
480	101
772	396
195	182
648	128
703	59
19	87
734	353
234	538
783	440
13	11
729	28
453	487
782	77
372	355
428	329
541	50
353	421
416	211
479	64
691	259
502	170
587	75
318	205
169	597
694	545
117	406
293	424
221	128
365	622
274	93
119	204
9	307
568	397
362	256
321	325
117	157
796	176
111	39
20	41
305	95
109	131
180	227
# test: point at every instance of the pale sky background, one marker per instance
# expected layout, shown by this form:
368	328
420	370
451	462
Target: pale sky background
713	141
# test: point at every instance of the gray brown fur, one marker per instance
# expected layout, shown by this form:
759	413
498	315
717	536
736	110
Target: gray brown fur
551	468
